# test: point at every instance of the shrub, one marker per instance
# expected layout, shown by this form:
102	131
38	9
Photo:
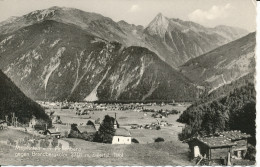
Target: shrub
44	143
54	142
11	142
66	134
134	140
159	139
71	144
90	123
251	153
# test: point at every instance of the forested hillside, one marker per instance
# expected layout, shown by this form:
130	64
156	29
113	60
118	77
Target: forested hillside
235	111
226	89
12	99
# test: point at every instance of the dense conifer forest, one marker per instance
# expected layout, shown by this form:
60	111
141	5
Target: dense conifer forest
12	99
235	111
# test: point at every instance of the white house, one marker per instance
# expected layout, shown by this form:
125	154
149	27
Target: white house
32	122
122	136
3	125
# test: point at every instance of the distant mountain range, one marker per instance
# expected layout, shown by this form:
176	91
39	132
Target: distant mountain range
224	64
56	61
69	54
173	40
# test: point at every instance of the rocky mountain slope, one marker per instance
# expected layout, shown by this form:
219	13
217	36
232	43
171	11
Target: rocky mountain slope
12	99
224	64
51	60
178	41
173	40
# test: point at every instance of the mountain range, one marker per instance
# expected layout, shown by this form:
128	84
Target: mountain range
223	65
173	40
68	54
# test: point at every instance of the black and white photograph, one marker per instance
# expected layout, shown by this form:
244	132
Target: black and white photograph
128	82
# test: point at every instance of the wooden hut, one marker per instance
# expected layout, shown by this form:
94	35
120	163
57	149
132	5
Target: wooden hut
222	146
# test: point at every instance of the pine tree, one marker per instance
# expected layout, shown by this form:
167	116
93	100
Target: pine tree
106	130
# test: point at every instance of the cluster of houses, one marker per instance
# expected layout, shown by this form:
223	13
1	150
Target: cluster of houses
164	113
82	107
83	131
5	123
152	126
87	132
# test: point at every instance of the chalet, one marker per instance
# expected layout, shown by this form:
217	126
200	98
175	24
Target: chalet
32	122
84	132
3	124
52	132
88	129
220	147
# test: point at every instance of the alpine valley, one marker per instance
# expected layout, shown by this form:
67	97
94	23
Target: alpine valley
68	54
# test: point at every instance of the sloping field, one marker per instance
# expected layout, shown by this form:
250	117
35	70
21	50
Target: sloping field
167	153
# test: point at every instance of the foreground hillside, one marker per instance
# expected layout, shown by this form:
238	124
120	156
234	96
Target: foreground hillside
57	61
13	100
224	64
235	111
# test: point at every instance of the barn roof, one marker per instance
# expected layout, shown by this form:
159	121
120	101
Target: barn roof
222	139
2	121
234	135
216	142
53	131
87	128
122	132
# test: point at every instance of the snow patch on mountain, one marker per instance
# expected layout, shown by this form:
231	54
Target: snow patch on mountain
6	39
41	15
55	43
93	95
53	65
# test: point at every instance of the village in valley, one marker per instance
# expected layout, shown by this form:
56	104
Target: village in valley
83	126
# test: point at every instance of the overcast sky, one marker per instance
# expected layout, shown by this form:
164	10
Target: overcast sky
239	13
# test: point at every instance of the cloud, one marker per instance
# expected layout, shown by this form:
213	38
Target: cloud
134	8
214	13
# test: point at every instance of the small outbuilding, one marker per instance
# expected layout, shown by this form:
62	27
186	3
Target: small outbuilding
88	129
221	147
52	132
3	124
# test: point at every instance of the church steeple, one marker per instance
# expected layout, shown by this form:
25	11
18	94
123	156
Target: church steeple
115	122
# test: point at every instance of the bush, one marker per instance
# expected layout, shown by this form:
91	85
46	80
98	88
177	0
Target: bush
134	140
54	142
66	134
90	123
159	139
251	153
11	142
71	144
44	143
